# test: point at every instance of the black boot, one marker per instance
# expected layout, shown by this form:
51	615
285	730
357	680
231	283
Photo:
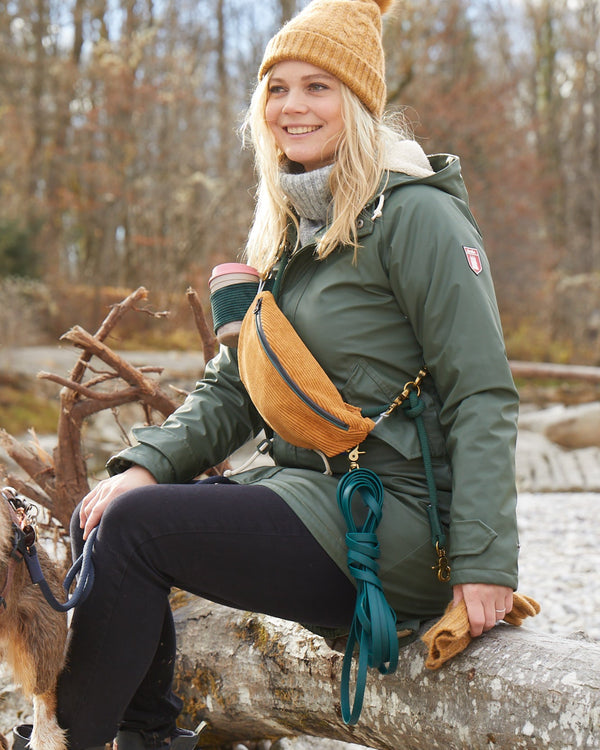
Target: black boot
183	739
22	734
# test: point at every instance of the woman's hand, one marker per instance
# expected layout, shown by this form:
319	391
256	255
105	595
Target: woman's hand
486	604
96	502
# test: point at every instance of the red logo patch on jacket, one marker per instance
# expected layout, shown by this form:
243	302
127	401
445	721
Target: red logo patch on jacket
473	259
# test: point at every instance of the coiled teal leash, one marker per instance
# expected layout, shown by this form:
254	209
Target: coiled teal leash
374	622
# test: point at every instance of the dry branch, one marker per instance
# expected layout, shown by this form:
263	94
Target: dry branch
209	341
101	401
63	479
149	390
36	468
108	324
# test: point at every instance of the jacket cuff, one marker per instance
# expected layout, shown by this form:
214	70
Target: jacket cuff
149	458
477	575
476	550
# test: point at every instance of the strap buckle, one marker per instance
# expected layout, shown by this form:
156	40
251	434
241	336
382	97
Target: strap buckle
264	447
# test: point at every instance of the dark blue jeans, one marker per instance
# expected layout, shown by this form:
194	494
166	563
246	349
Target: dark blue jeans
233	544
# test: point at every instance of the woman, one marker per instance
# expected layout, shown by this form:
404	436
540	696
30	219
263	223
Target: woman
385	272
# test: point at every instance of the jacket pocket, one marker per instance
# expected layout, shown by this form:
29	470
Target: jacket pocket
470	537
366	388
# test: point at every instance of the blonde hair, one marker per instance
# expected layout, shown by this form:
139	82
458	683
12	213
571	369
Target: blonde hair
354	179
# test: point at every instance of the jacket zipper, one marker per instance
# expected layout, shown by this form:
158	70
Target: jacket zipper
274	360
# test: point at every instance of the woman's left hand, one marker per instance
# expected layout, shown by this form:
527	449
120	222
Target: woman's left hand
486	604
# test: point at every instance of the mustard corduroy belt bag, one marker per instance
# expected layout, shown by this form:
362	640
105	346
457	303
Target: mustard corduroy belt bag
290	389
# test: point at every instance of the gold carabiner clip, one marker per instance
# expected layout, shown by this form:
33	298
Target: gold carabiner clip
353	457
442	567
411	385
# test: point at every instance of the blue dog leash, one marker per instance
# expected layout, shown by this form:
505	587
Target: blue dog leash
82	566
24	549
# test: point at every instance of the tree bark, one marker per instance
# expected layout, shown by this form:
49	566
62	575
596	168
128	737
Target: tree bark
251	676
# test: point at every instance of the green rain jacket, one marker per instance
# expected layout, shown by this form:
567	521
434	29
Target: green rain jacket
420	292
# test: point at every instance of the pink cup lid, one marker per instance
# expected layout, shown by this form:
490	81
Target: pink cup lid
225	268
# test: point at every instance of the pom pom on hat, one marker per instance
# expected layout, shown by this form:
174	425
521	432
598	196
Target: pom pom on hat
342	37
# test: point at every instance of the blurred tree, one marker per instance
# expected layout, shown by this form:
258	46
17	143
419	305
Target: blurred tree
17	253
447	75
578	133
119	156
561	91
287	8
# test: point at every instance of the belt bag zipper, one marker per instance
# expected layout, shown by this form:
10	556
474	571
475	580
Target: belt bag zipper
274	360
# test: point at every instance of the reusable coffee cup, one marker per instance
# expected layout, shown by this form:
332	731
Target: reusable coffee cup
232	286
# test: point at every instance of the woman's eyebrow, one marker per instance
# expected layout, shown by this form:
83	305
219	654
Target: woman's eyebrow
309	77
317	75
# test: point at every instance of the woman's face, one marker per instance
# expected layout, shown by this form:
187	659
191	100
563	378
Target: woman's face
304	112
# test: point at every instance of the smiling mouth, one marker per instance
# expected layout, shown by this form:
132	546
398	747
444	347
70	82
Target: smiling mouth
301	130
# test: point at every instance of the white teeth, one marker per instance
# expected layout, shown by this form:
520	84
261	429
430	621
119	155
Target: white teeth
302	130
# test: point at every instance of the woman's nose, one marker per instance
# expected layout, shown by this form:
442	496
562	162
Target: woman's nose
294	102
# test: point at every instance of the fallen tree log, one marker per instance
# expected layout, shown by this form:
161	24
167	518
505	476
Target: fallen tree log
252	676
585	373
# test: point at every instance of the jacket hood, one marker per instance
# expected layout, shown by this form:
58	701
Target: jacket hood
406	156
407	162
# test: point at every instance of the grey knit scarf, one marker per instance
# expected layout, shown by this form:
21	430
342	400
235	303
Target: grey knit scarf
309	194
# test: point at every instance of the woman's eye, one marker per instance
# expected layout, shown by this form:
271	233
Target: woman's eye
318	87
275	89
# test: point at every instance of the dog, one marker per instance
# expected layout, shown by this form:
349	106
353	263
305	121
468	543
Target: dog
32	634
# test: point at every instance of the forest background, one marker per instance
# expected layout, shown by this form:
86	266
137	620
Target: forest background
121	162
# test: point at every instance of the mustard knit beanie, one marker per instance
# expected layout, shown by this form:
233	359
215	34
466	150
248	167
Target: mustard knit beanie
342	37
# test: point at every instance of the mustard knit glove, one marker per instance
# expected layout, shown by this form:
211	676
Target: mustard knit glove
523	606
451	634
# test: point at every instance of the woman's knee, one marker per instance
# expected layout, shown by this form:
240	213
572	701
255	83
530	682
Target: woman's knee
118	518
128	512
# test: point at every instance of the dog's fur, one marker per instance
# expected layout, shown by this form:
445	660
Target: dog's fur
33	637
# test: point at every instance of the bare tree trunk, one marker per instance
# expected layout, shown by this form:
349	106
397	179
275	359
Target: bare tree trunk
546	115
287	9
223	89
38	121
78	30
